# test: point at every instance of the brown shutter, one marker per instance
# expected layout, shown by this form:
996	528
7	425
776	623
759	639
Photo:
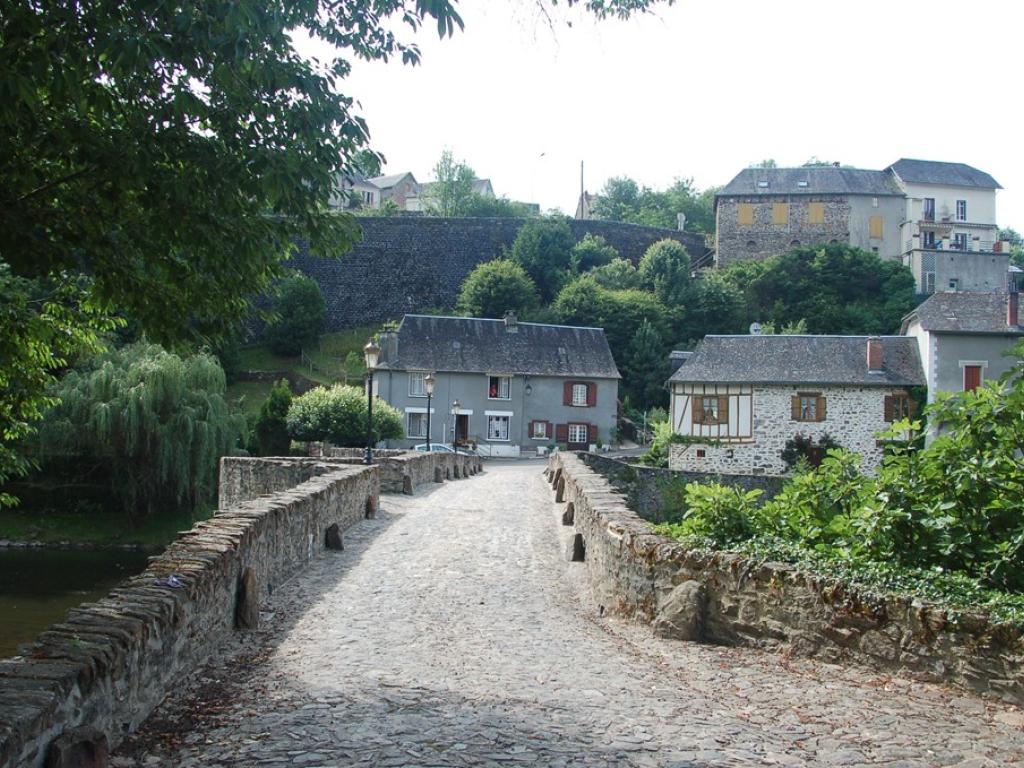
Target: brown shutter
562	433
529	430
972	377
592	434
698	409
723	410
567	393
591	394
889	408
550	431
795	402
821	407
911	407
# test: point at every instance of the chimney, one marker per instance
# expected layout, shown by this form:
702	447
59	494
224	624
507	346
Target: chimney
511	321
876	357
835	164
388	346
1012	318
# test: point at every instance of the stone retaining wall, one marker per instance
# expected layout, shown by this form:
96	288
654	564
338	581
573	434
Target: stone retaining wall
646	487
726	598
109	663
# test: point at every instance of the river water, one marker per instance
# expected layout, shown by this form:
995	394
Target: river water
38	586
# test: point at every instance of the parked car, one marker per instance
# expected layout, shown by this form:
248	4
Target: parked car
435	447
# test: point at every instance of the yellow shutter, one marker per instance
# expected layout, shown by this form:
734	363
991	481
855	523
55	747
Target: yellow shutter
875	223
815	213
780	213
745	215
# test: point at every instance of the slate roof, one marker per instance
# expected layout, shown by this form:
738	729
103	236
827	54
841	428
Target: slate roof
963	312
475	345
949	174
825	180
801	360
386	182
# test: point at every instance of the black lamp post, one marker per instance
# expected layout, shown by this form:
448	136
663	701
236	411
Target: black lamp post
428	384
455	429
371	352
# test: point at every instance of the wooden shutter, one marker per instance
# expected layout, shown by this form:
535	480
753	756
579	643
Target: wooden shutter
549	431
815	213
889	408
795	402
723	410
875	227
745	215
591	394
529	429
562	433
821	408
780	213
972	377
592	434
567	393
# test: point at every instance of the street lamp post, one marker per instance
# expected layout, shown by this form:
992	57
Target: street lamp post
455	429
370	352
428	383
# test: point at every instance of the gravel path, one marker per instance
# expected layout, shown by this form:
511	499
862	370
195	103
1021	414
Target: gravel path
452	632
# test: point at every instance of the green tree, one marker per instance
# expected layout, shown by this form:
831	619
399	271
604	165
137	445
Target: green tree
618	274
300	310
173	154
496	286
338	414
664	270
592	252
712	305
156	423
646	368
452	189
481	206
543	247
271	431
622	199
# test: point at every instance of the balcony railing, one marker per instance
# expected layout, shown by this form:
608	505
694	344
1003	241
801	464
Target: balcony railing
969	246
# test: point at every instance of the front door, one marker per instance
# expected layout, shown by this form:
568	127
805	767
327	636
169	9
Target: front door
462	428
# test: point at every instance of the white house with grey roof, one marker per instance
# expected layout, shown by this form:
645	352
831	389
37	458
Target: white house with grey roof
739	399
963	338
519	386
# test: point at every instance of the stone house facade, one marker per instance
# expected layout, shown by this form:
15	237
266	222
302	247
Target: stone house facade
738	400
765	212
519	386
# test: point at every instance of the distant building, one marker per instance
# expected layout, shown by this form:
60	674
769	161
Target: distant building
520	386
398	187
949	235
963	337
423	200
747	396
585	206
765	212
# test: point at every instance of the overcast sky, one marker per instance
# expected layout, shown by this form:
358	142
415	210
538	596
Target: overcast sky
704	89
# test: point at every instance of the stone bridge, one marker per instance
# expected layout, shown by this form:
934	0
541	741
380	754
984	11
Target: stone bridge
454	629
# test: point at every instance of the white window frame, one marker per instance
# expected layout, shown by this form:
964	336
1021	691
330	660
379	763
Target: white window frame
569	433
544	426
417	376
576	389
421	414
508	387
961	210
495	418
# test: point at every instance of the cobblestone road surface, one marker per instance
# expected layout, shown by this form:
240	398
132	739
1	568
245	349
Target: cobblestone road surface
451	632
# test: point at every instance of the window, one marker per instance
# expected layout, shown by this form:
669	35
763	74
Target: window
578	433
815	213
368	198
497	427
417	426
579	394
702	453
780	213
499	387
710	409
417	385
808	406
875	227
802	183
954	283
874	202
751	244
929	209
539	430
745	215
929	239
972	377
762	184
897	406
928	282
961	210
960	241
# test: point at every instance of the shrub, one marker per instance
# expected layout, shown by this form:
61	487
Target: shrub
805	448
300	311
543	247
338	414
271	431
494	287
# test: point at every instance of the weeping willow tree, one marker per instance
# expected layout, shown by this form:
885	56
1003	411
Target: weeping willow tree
156	422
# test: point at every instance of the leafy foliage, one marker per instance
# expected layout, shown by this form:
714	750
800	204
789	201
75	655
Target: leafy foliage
338	414
591	252
803	449
156	422
452	189
617	275
543	247
622	199
496	286
664	270
712	304
299	315
271	431
646	368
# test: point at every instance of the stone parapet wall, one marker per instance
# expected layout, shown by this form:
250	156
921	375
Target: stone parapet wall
738	601
645	487
404	471
109	663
